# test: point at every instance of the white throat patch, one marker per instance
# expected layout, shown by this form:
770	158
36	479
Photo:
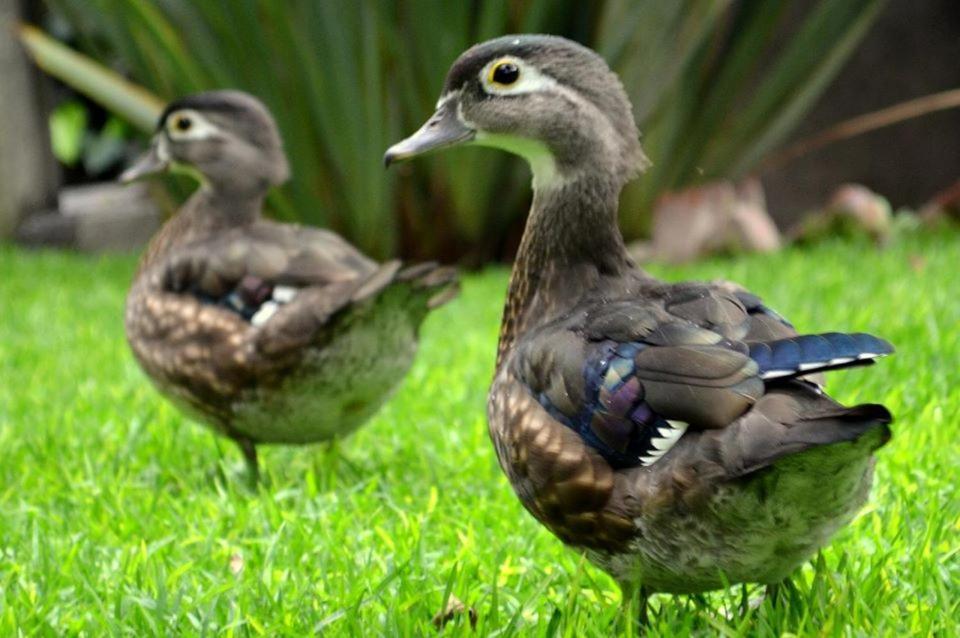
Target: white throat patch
537	154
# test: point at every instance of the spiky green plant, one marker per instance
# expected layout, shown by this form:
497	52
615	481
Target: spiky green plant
716	86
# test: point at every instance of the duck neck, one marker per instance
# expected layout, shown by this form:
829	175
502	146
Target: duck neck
207	212
229	209
570	240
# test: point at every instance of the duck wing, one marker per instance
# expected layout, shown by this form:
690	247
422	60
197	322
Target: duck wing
631	376
221	314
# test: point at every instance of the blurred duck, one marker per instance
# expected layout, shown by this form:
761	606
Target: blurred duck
671	431
266	332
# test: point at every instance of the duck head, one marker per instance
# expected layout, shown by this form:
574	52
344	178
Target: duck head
548	99
227	138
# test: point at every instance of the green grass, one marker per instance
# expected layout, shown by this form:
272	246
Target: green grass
120	517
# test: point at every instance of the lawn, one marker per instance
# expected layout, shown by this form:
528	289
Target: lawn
118	516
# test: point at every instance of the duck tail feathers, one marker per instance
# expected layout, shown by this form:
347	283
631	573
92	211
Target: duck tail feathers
808	354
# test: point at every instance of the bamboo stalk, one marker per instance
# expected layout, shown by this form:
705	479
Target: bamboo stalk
864	124
131	102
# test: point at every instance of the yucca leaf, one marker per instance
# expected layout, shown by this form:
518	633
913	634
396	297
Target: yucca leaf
786	115
346	78
127	100
719	75
812	58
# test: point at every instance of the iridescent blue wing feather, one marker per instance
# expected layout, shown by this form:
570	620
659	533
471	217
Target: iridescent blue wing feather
630	378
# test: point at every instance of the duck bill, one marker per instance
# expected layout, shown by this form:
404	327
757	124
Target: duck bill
442	130
155	160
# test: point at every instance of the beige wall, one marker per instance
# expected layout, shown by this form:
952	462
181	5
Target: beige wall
911	51
28	174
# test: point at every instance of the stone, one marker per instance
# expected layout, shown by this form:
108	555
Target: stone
104	217
718	217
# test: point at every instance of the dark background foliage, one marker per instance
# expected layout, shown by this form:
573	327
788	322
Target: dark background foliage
716	86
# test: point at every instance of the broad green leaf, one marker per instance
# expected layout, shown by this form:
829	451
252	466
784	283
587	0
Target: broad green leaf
68	124
135	104
716	86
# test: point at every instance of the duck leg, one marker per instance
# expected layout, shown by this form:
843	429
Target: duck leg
249	449
777	591
772	593
643	610
632	594
643	607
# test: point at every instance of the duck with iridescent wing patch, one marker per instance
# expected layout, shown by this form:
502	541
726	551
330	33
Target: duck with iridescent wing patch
267	332
673	432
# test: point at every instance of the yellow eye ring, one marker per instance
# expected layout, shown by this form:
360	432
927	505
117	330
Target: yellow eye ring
180	123
503	73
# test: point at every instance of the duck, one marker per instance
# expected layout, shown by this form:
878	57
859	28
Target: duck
677	434
266	332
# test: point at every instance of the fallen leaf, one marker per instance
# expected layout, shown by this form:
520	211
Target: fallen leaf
236	564
719	217
454	608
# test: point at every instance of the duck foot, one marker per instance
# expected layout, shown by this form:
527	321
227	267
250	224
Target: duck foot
334	457
780	593
643	612
643	609
774	592
249	449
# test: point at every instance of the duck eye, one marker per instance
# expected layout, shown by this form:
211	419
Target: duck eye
182	123
505	73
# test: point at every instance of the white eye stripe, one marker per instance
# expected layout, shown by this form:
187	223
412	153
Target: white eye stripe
446	97
463	118
199	128
530	80
163	148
